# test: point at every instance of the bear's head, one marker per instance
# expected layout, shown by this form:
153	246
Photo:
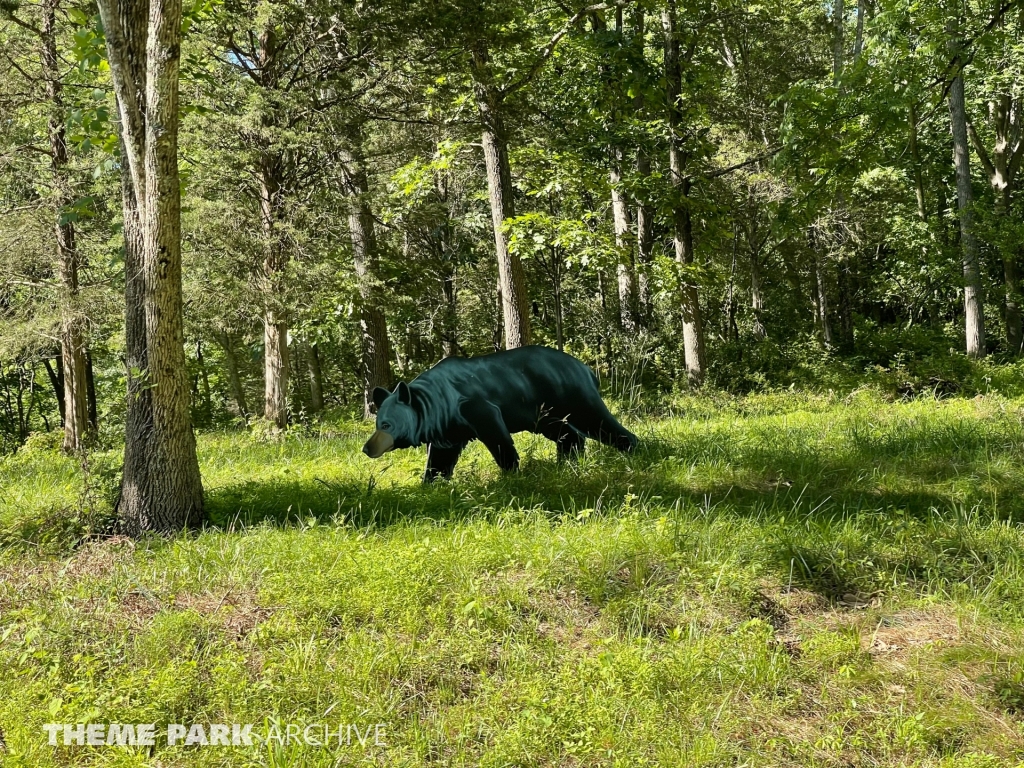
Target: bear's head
397	421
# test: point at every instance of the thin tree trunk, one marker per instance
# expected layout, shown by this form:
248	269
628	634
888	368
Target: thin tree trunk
90	390
1000	168
915	159
644	213
732	331
204	379
270	177
234	379
316	379
838	40
376	347
77	427
57	382
973	300
756	299
644	245
626	266
693	321
858	41
625	269
449	264
161	487
515	303
821	303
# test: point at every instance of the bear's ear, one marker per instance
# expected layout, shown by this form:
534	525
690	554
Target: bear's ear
404	395
380	395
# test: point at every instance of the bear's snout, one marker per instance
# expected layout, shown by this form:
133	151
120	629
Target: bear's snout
378	444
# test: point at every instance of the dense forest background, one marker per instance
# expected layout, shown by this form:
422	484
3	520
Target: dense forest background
679	192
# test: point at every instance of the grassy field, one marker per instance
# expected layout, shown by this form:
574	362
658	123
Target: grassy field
779	580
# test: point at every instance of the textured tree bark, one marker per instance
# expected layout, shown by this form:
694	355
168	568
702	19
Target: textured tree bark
234	378
161	488
75	407
376	347
973	299
693	320
514	302
316	379
173	448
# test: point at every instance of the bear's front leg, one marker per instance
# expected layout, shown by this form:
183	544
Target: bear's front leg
441	462
485	419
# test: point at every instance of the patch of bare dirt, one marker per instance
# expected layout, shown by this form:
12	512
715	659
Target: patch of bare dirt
897	636
237	609
99	558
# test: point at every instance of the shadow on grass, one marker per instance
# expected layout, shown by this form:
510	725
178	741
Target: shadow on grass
828	513
907	473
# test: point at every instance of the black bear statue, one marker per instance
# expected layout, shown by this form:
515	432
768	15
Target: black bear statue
489	398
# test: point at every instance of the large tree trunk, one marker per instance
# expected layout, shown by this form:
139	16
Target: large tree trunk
973	300
376	347
234	378
515	305
693	321
75	410
161	487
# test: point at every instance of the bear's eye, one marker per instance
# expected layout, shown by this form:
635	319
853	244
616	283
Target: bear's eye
385	426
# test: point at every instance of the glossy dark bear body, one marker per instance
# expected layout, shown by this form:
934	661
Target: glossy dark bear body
489	398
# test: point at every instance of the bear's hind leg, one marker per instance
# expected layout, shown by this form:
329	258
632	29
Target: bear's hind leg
597	422
441	462
569	442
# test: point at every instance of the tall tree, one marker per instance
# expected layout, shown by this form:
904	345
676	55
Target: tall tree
376	347
682	223
490	101
974	308
161	488
77	425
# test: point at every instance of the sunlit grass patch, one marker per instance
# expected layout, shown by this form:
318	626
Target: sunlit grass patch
827	584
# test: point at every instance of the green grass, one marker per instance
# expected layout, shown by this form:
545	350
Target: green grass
778	580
